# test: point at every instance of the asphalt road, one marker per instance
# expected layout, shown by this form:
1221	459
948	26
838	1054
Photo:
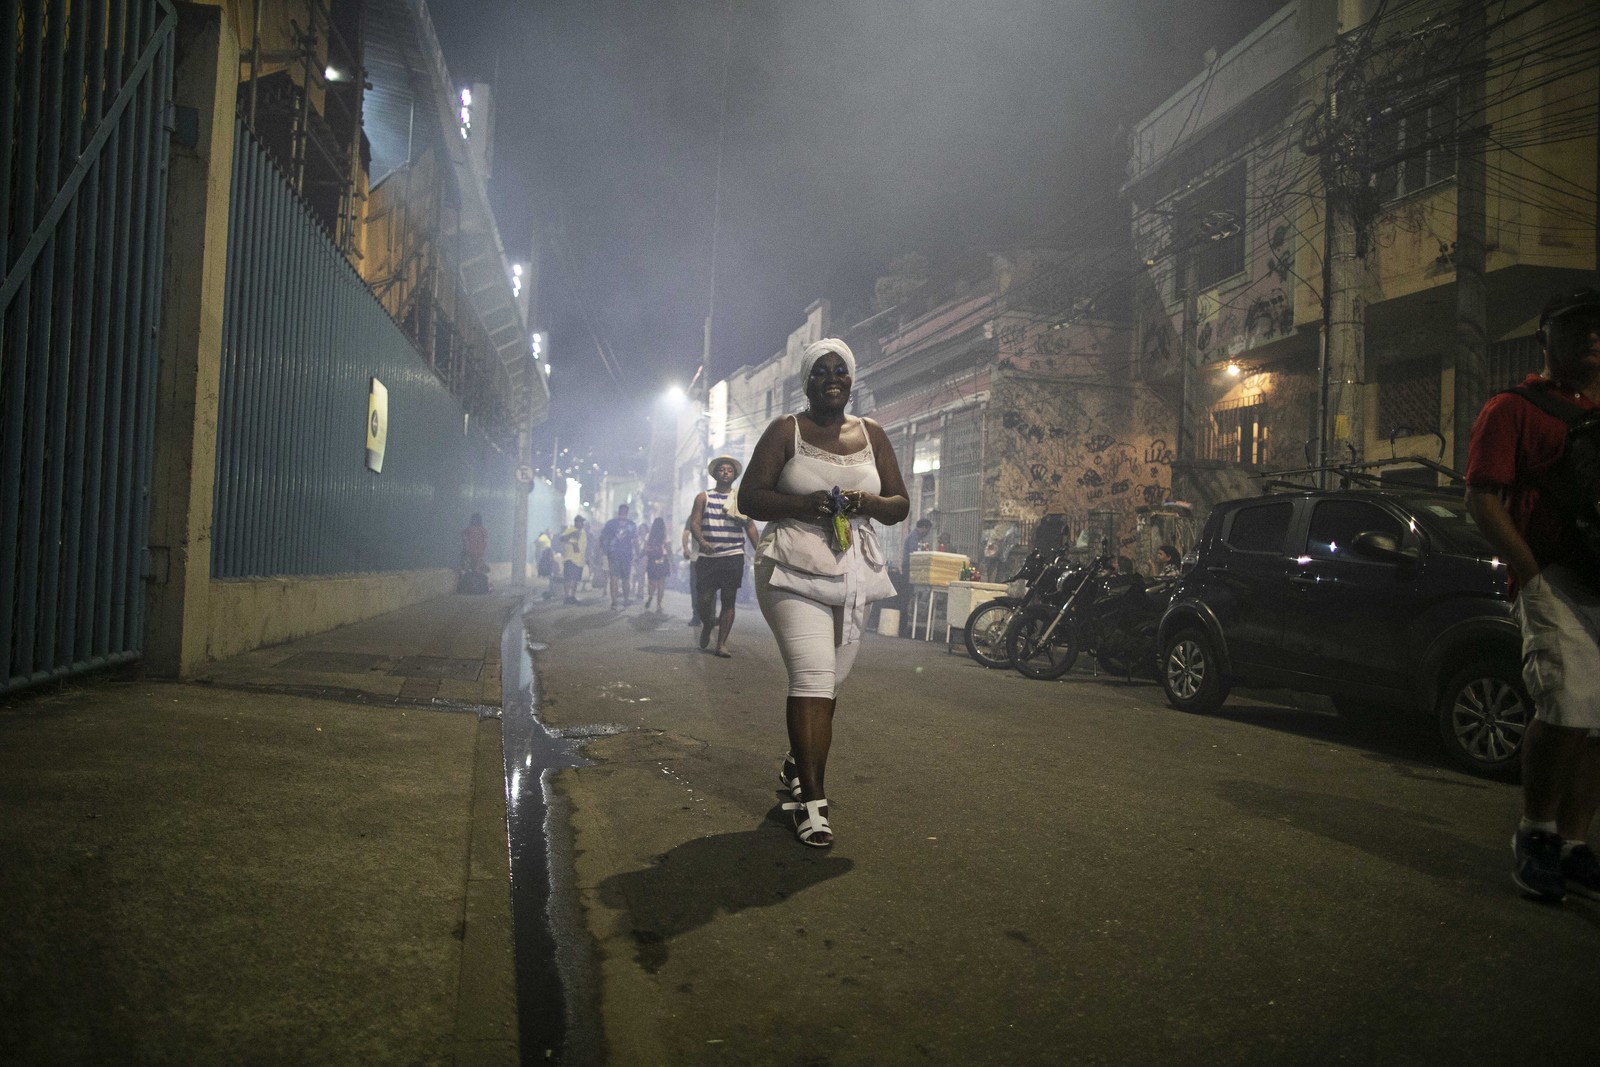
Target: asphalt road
1034	873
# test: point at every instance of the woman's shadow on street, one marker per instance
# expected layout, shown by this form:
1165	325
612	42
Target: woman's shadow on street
689	886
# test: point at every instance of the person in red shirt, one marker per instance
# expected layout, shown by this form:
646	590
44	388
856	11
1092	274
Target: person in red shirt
475	546
1514	447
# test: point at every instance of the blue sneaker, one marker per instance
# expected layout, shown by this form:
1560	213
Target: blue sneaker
1581	871
1538	870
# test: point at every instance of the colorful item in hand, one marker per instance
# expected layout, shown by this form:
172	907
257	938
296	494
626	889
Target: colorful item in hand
839	506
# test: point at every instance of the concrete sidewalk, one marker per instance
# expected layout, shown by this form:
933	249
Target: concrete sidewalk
300	858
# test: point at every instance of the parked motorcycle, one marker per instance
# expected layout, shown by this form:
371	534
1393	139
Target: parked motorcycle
1120	624
1096	610
985	628
1041	638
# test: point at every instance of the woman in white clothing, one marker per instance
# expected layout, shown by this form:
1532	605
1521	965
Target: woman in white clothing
813	590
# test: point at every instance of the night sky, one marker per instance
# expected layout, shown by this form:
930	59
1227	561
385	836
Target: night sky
856	131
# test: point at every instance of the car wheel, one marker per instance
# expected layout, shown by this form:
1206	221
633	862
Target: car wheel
1191	673
1034	658
986	632
1483	714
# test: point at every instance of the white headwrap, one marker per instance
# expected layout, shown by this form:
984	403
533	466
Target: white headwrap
817	349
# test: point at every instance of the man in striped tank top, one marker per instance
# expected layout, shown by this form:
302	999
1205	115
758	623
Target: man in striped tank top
720	532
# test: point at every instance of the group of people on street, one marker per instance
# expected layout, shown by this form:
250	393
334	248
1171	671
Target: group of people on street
818	475
636	561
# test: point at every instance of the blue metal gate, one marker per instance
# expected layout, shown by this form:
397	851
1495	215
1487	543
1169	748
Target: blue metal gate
83	91
303	336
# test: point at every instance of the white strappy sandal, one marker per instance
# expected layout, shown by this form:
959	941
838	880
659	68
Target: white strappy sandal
789	775
811	822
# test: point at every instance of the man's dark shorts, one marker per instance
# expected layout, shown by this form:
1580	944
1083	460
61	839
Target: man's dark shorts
620	565
571	571
724	573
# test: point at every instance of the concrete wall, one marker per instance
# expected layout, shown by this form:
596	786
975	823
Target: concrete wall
193	291
250	613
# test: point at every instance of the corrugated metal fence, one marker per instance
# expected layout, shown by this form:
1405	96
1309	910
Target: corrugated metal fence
83	88
302	338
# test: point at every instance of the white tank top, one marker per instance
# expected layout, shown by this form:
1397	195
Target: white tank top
811	468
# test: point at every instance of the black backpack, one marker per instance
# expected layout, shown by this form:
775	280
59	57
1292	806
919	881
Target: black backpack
1572	485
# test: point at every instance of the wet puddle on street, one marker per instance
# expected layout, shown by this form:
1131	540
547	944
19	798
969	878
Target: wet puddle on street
545	934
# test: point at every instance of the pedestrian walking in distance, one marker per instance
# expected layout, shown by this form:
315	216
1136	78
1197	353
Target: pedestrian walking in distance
616	541
1533	476
720	533
657	563
574	554
475	546
545	554
816	478
474	575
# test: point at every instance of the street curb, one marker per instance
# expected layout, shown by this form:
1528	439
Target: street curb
486	994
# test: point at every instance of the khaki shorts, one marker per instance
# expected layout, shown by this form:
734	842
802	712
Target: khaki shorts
1560	620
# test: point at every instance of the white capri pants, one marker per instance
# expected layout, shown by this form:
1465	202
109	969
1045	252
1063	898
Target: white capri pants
808	636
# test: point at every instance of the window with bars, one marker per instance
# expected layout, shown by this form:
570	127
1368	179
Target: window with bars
1237	432
1408	396
960	477
1213	220
1417	148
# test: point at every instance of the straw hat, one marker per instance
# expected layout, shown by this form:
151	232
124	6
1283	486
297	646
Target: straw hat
711	468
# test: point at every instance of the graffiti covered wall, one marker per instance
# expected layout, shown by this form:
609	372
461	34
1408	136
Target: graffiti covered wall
1077	450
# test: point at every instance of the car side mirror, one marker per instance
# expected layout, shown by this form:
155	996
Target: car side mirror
1384	547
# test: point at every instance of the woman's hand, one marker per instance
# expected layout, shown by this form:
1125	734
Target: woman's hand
821	503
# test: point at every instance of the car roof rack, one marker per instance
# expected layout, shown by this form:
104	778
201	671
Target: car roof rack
1367	475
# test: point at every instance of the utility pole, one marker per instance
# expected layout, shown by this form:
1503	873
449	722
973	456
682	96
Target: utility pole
1189	406
519	504
1472	344
1346	170
1344	428
703	398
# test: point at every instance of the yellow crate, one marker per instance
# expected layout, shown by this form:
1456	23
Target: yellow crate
936	568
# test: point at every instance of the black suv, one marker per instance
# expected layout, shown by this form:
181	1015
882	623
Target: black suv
1383	598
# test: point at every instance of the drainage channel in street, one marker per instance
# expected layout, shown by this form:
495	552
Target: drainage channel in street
554	983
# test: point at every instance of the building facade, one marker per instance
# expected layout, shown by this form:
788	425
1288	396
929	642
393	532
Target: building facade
266	387
1015	396
1349	222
